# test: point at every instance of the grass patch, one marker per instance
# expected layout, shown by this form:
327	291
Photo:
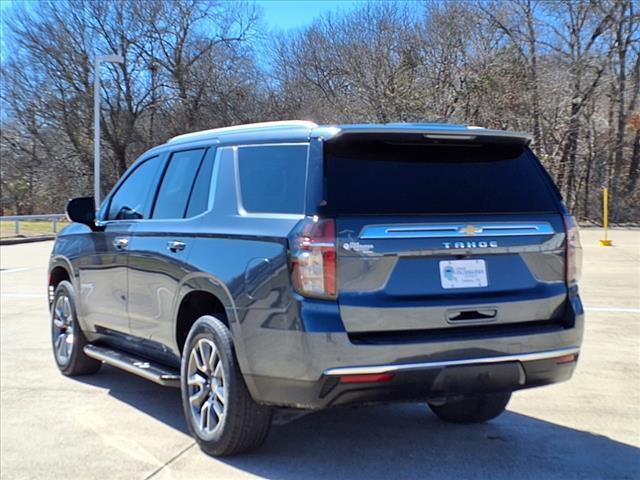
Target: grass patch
29	228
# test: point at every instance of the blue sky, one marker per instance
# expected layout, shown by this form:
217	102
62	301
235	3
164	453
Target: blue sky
276	14
292	14
4	4
281	14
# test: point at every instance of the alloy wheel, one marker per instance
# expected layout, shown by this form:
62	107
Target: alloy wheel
206	385
62	330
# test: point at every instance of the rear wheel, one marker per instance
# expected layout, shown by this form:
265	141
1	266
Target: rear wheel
219	410
472	409
67	338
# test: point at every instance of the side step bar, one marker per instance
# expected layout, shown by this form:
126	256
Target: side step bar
143	368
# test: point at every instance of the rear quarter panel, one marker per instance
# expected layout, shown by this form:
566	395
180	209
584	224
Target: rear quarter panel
243	259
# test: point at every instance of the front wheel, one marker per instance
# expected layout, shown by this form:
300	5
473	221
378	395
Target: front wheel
472	409
220	413
67	338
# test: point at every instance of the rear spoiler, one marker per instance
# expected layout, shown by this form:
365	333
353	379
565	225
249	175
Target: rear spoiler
458	133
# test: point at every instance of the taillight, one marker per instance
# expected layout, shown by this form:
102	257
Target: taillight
574	250
313	257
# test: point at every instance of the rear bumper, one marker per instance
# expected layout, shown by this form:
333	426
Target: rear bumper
434	365
421	381
305	369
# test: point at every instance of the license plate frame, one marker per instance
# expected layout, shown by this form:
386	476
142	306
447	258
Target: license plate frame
459	274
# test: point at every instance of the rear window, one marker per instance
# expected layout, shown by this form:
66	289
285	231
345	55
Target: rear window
199	200
176	184
397	176
272	178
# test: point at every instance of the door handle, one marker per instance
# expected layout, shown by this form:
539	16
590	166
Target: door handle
121	243
463	315
176	246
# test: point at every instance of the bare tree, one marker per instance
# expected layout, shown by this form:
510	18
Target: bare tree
567	71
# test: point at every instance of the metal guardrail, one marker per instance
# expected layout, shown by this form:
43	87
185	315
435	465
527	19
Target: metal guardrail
53	217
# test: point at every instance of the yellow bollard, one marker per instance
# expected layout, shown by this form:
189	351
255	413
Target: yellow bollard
605	242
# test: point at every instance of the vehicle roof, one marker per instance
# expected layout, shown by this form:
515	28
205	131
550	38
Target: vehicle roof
302	130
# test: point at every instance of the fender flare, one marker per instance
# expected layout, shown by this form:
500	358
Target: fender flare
199	281
63	262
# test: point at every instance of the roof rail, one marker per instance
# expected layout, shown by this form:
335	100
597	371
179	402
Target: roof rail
244	128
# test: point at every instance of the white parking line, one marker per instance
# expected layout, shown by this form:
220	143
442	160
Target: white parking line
13	270
23	295
612	310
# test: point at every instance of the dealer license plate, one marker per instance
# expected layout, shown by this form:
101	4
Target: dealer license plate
463	274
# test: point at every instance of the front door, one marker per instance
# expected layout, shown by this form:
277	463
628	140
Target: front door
103	280
103	274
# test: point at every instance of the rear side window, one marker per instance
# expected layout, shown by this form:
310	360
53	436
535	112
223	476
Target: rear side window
414	176
199	200
272	178
176	184
131	200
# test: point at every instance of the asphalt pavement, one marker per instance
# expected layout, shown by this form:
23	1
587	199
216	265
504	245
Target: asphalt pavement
115	425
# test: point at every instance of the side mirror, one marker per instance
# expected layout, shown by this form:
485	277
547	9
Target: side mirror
82	210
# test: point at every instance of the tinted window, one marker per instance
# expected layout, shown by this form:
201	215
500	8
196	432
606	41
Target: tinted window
199	200
272	179
130	201
176	184
398	176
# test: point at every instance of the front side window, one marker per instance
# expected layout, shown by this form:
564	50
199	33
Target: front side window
177	183
131	200
272	178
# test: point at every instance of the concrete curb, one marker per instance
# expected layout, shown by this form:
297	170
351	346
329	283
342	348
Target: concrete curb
16	241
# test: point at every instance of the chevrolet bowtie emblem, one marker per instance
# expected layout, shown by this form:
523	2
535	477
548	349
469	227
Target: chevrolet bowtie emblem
470	230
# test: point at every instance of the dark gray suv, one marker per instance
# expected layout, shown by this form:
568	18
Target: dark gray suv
293	265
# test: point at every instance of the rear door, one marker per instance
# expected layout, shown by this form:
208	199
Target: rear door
160	248
436	235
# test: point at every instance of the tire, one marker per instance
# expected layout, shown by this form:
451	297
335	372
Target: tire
220	413
67	339
473	409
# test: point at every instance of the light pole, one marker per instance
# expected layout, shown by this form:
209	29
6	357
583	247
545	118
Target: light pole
96	120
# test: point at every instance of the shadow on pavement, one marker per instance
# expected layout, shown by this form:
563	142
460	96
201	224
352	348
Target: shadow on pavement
159	402
401	441
407	441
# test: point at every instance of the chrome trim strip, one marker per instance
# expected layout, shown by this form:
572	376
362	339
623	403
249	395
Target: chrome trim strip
457	230
519	357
